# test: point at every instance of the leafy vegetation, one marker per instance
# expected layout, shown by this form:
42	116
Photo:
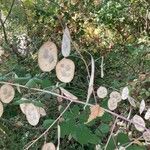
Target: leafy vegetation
114	31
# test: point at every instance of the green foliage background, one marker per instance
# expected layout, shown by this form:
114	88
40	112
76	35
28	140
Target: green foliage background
119	30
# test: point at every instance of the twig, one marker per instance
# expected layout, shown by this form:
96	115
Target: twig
112	130
133	142
4	31
34	141
12	4
75	101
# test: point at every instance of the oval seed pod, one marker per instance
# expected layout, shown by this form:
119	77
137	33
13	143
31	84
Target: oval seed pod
1	109
49	146
138	120
146	136
7	93
41	111
32	114
147	114
65	69
112	103
23	105
102	92
47	56
115	95
125	93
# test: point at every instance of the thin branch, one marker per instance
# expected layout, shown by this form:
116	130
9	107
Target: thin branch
75	101
112	130
12	4
4	30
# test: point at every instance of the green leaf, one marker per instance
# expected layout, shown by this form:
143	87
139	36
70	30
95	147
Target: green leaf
106	118
136	147
68	127
47	123
122	138
33	82
111	145
46	83
104	128
85	136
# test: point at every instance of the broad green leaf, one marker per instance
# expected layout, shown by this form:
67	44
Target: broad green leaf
47	123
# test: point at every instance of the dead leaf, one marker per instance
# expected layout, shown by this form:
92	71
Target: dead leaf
7	93
96	111
65	70
66	43
139	123
142	106
47	56
102	92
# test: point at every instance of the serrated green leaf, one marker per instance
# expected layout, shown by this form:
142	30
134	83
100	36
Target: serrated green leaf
106	118
122	138
47	123
85	136
136	147
104	128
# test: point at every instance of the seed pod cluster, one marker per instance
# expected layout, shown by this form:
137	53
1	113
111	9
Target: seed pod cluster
32	112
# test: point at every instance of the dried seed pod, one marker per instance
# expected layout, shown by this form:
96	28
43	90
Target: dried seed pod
139	123
142	106
125	93
112	103
116	95
49	146
66	43
7	93
47	56
102	92
65	69
147	114
68	94
32	114
23	107
41	111
132	101
146	136
1	109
